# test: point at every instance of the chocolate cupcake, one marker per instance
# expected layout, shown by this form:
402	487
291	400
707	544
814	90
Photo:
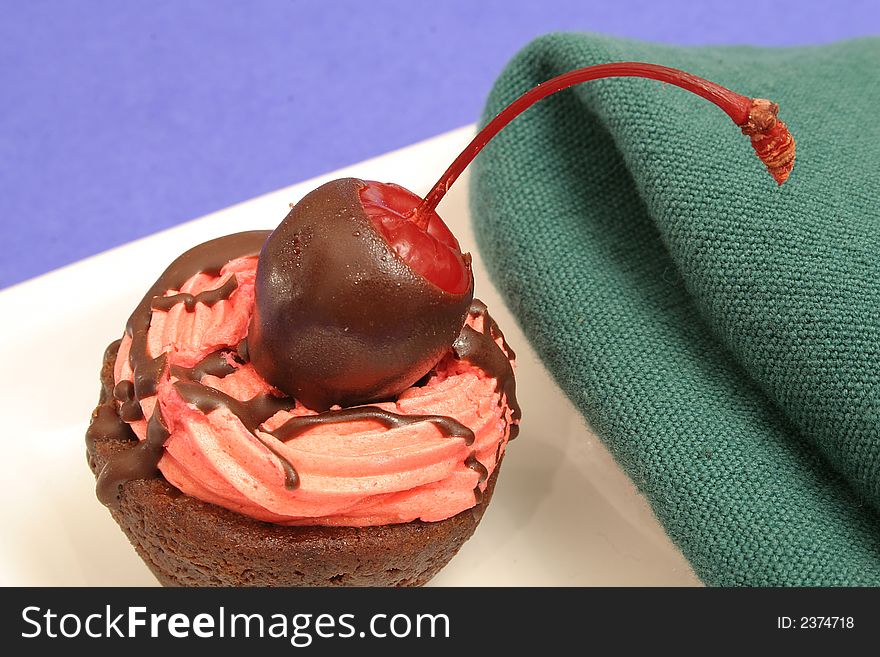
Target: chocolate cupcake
272	417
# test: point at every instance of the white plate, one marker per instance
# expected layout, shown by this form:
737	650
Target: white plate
563	512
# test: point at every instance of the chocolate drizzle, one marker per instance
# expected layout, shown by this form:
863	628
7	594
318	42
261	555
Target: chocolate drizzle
298	425
208	258
189	301
106	424
474	464
123	391
140	461
242	350
450	428
129	407
147	373
215	364
481	350
252	414
478	467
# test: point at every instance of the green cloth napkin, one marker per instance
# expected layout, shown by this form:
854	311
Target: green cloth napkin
721	335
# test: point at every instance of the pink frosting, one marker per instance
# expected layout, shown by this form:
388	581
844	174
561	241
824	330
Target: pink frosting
353	474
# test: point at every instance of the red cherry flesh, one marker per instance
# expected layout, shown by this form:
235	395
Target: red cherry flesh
422	241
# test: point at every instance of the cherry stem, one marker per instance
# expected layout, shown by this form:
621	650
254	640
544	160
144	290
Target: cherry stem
776	151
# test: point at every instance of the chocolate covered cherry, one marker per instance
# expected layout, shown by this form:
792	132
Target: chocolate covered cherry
357	298
362	288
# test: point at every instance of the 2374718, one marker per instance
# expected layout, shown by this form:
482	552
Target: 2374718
815	622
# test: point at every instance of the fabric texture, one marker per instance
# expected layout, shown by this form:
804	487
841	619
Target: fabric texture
720	334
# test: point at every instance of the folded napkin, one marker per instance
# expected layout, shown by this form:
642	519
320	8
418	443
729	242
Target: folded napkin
721	334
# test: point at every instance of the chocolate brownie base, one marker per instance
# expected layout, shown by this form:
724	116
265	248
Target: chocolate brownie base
187	542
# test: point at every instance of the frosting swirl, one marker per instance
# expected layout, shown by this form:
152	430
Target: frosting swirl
235	441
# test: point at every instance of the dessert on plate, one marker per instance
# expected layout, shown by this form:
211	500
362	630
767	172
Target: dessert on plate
326	403
302	407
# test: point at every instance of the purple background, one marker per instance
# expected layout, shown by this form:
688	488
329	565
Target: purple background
119	119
